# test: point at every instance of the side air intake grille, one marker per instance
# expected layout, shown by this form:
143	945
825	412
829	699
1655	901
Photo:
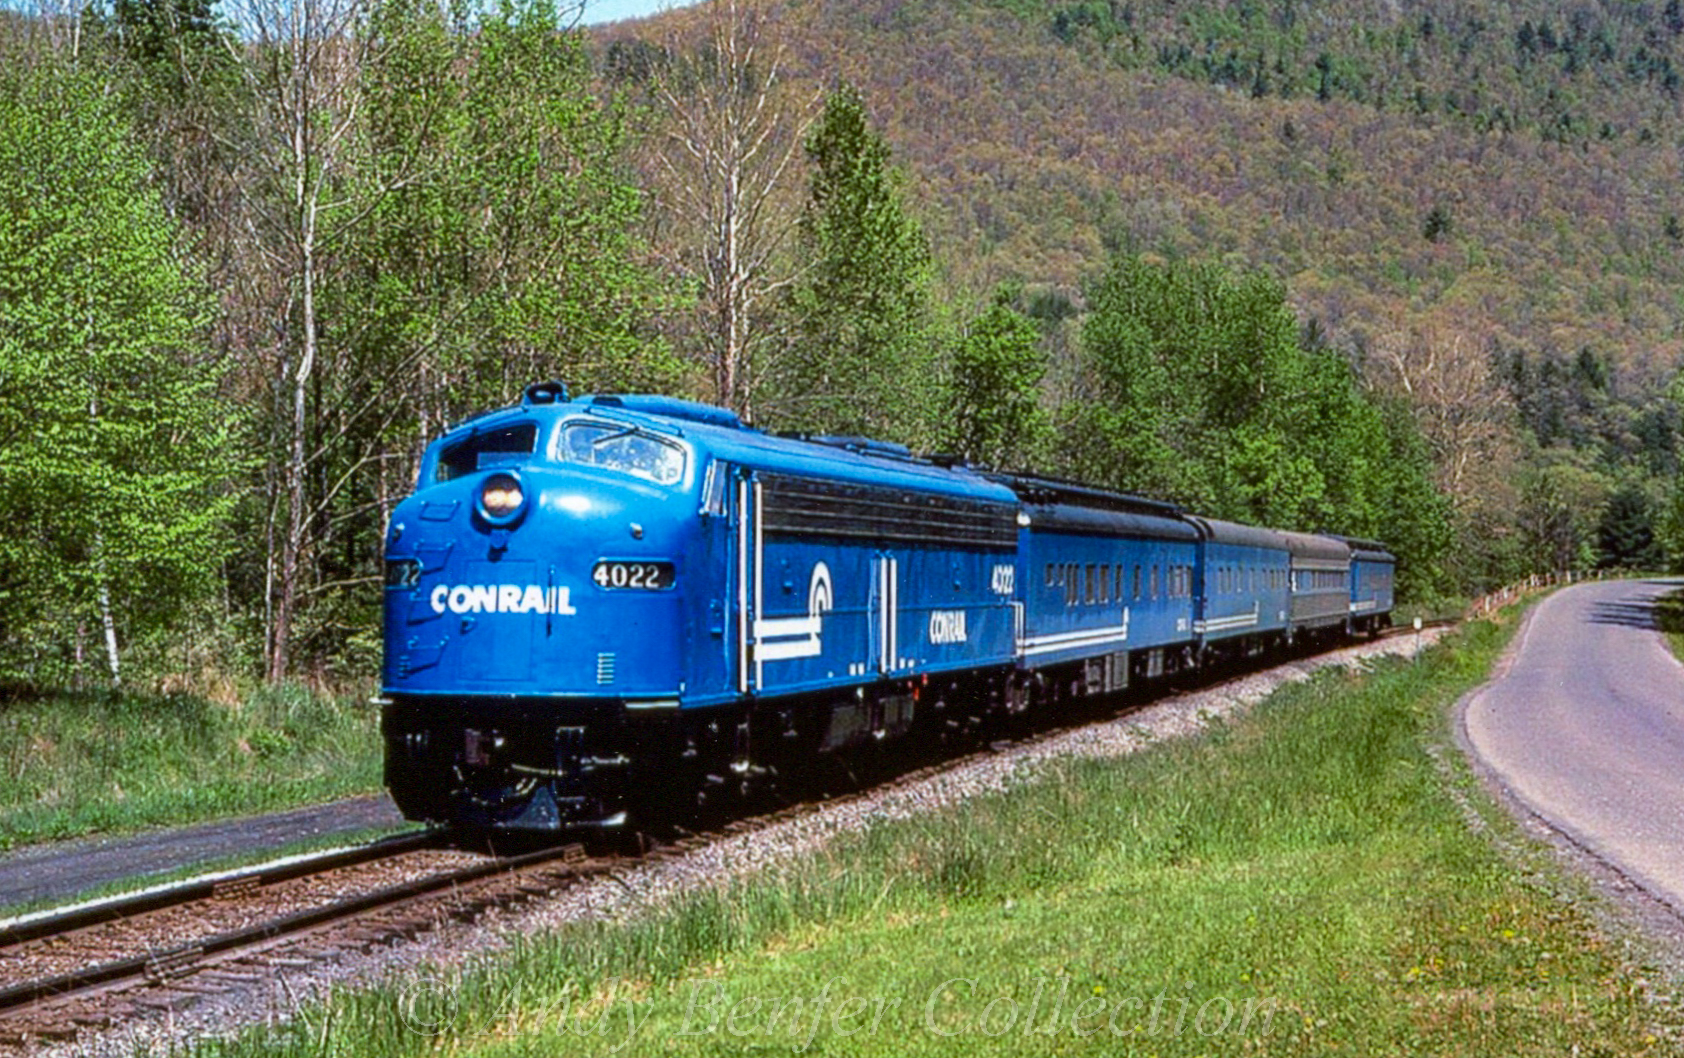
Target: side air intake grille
811	507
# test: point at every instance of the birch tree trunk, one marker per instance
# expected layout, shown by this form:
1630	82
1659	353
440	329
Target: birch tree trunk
736	134
300	63
106	620
102	583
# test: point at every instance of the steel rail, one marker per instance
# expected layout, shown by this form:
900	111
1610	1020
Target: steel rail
192	891
158	966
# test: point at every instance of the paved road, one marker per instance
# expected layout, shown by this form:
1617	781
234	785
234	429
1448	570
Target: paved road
1586	728
62	870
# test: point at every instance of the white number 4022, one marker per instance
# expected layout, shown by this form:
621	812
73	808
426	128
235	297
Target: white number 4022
1005	580
651	575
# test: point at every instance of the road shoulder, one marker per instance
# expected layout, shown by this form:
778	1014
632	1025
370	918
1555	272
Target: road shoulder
1646	926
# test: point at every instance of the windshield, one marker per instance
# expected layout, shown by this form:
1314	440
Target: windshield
505	447
622	447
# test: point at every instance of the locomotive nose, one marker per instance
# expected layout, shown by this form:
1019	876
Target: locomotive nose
528	590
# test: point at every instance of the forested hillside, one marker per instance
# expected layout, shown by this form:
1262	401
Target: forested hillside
1477	205
1411	274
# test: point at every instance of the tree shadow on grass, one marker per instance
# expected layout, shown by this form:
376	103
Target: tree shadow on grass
1659	613
1668	611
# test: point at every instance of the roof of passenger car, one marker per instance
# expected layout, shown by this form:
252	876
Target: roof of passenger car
1217	531
1366	550
1070	517
1070	506
1318	548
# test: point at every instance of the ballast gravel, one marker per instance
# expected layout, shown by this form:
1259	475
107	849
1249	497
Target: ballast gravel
647	885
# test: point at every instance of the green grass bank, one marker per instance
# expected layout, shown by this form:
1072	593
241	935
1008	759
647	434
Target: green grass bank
1317	878
75	765
1669	615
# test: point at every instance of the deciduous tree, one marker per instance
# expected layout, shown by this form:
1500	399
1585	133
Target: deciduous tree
733	129
114	459
1196	388
993	407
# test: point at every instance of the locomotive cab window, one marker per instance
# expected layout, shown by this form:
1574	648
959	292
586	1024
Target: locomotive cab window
625	448
508	446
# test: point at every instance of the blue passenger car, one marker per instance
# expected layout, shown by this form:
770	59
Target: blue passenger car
1242	581
1373	570
1106	579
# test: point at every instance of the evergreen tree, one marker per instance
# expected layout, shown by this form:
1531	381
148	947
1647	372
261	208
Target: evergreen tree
169	41
113	452
862	360
1625	537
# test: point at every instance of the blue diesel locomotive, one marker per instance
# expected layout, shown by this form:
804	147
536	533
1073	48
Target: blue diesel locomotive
621	603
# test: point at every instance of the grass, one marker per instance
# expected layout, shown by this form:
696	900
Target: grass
1437	608
1317	878
1669	615
76	765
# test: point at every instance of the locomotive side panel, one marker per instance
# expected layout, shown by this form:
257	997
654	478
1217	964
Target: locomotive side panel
848	584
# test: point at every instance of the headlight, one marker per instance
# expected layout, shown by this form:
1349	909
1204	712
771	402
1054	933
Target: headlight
501	499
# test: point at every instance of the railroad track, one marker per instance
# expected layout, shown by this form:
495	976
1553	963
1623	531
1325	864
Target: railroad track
26	928
61	1007
121	969
152	977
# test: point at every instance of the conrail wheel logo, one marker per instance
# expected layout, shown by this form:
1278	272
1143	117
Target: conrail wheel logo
502	598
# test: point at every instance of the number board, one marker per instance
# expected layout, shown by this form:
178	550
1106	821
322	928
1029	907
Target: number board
647	576
402	573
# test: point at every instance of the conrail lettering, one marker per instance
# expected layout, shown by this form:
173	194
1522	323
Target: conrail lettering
502	598
947	626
